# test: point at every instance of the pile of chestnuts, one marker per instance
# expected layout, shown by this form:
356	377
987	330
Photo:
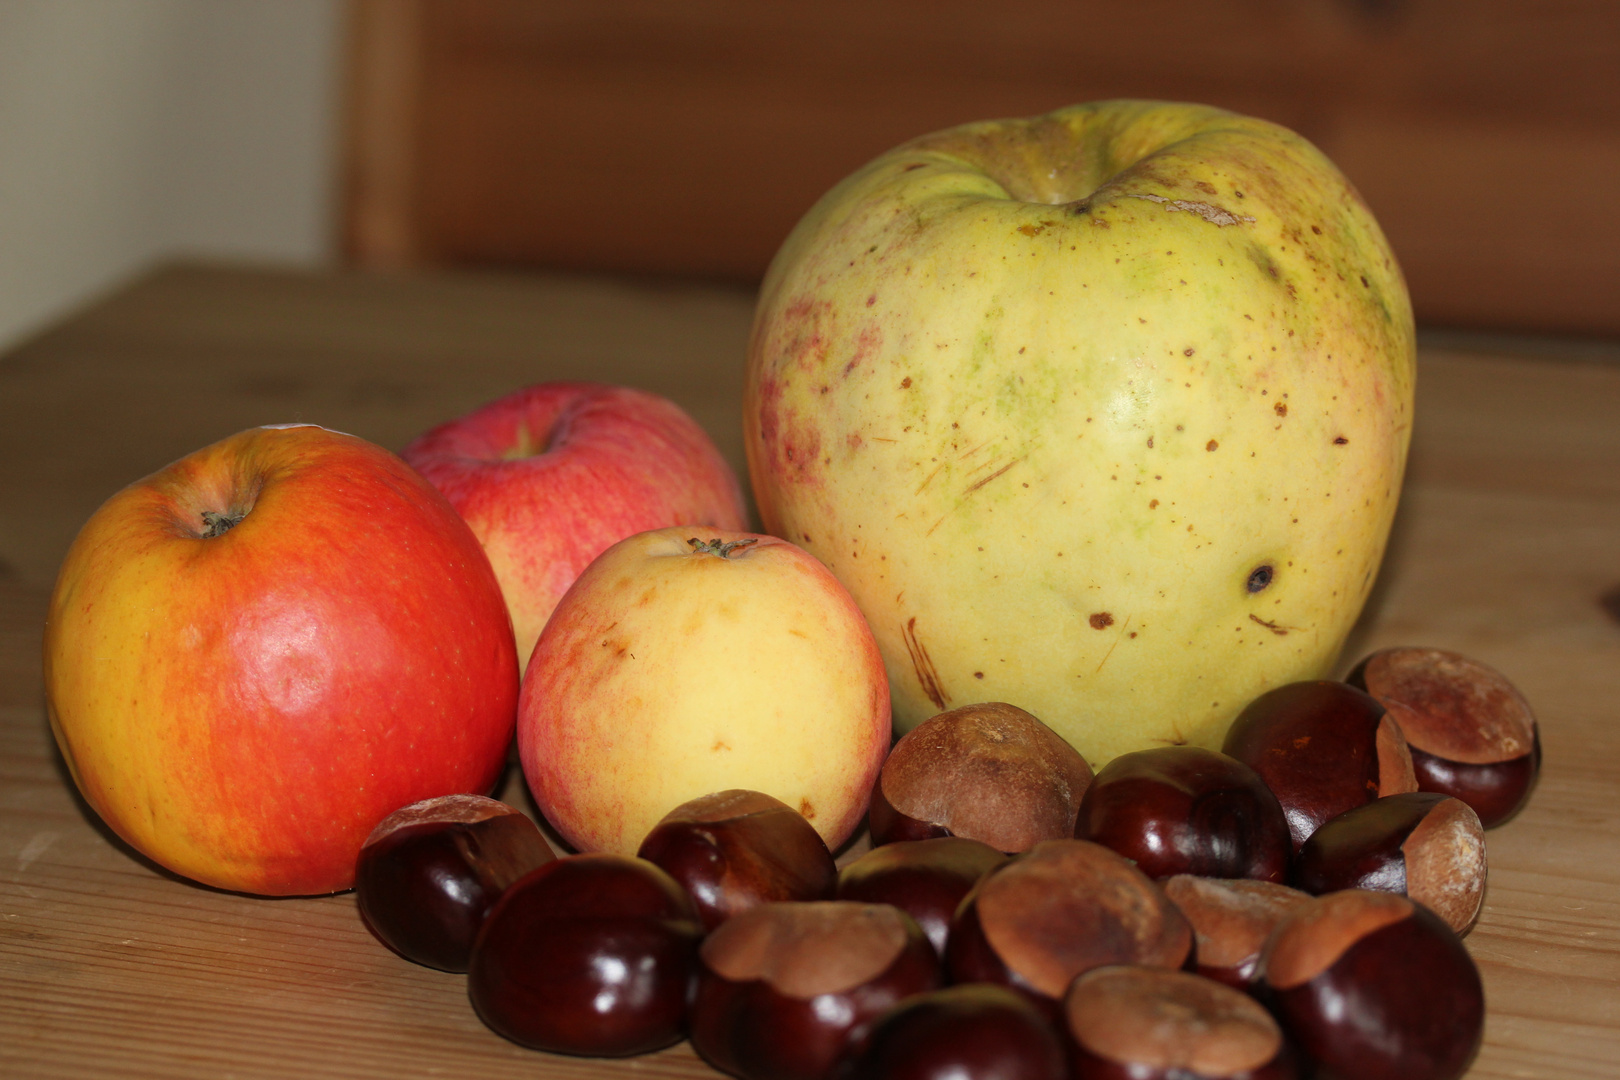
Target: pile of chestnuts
1289	907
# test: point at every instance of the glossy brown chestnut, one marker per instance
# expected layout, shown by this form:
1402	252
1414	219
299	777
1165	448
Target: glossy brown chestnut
989	772
1372	984
1322	748
1187	810
1138	1023
1471	732
429	873
926	879
787	991
971	1032
1428	846
1060	909
590	954
1231	920
734	849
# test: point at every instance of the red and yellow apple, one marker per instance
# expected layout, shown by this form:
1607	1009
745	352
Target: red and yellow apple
550	476
682	663
255	654
1101	413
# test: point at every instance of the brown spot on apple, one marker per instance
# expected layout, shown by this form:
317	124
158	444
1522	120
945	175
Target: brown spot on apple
923	666
1212	445
807	810
1281	408
1101	620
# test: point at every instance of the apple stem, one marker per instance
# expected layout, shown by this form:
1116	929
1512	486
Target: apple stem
717	547
219	524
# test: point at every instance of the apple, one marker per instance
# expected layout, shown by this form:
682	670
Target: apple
550	476
683	663
255	654
1101	413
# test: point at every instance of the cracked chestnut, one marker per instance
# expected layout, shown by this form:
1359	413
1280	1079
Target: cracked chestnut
1422	844
1139	1023
788	991
1322	748
1231	921
989	772
429	873
591	954
970	1032
1058	910
1372	984
926	879
1471	733
1187	810
735	849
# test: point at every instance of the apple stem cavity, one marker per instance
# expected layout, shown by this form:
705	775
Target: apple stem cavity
717	547
529	443
217	524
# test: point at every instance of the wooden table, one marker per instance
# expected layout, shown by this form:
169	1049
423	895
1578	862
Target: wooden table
1508	534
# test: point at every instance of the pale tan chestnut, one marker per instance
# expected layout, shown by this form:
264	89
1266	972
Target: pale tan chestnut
1231	919
990	772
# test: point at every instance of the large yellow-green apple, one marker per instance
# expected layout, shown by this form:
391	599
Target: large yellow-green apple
551	475
255	654
1101	413
681	664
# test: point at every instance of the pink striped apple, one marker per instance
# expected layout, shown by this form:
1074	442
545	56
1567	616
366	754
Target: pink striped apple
550	476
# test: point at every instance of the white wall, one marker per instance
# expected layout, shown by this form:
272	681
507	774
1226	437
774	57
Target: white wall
137	130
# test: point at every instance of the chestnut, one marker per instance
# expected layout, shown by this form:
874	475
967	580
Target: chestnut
926	879
971	1032
787	991
734	849
591	954
989	772
1471	733
1322	748
1372	984
1427	846
1187	810
429	873
1231	920
1060	909
1140	1023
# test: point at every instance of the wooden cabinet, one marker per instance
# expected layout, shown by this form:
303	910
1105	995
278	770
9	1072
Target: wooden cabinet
663	138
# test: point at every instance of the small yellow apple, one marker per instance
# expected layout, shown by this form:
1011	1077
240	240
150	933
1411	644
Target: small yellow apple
685	662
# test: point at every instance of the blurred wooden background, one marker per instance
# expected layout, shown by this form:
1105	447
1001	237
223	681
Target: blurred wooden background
686	139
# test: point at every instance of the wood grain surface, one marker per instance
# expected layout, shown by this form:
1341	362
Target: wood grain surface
1508	534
